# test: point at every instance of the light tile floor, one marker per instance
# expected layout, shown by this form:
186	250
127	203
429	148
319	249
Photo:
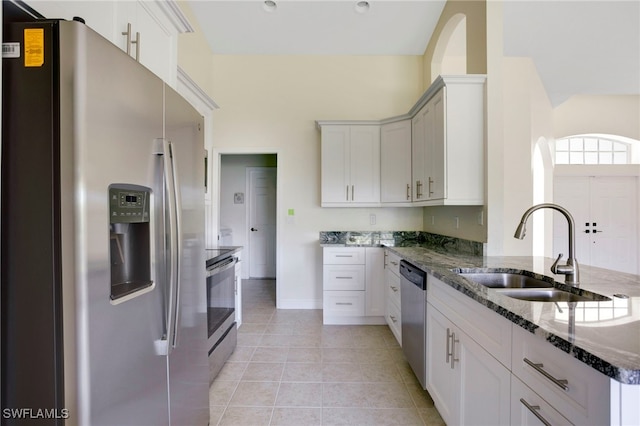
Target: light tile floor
290	369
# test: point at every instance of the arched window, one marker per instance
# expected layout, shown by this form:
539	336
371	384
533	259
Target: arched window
593	149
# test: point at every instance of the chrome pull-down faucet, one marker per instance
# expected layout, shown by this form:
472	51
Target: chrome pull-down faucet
570	269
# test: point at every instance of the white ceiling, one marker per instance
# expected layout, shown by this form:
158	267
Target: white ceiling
578	46
298	27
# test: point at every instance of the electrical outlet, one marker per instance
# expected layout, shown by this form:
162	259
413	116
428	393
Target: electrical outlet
372	219
481	218
433	220
456	221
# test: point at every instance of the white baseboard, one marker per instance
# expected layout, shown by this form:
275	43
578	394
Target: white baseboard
337	320
300	304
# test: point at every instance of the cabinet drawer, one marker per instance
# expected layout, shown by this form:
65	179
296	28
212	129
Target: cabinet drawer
343	255
343	303
393	287
392	262
393	317
343	277
525	402
488	329
586	399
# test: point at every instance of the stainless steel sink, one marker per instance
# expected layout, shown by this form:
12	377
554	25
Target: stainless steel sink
551	295
506	280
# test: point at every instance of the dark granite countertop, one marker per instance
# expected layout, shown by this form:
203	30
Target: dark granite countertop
603	335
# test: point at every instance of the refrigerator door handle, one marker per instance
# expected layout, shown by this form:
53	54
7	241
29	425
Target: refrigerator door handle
164	345
178	215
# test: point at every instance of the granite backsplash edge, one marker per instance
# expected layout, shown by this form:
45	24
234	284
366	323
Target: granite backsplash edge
441	243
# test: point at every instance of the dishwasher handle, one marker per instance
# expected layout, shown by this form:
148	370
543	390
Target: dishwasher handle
413	274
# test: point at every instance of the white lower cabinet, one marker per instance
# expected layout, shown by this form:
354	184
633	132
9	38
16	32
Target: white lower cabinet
575	390
393	312
468	385
529	409
353	285
482	369
238	285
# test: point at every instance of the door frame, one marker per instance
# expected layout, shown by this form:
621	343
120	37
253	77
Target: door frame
216	160
248	208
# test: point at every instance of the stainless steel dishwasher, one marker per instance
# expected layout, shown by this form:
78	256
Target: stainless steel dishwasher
413	291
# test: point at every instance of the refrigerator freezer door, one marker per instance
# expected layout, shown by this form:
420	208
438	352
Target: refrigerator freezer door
188	362
117	107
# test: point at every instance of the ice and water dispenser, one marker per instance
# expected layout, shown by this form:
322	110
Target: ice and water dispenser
130	251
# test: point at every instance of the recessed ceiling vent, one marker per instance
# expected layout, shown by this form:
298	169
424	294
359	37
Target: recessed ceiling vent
270	6
362	6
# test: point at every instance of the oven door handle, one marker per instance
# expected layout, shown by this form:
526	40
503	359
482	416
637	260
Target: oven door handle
222	266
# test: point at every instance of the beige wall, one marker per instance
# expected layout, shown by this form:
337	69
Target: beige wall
475	12
617	115
270	104
194	54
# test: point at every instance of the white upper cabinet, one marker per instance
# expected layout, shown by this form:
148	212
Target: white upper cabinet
350	165
395	166
448	143
148	30
433	155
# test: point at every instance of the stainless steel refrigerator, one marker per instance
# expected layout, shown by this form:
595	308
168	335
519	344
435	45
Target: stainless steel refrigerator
103	314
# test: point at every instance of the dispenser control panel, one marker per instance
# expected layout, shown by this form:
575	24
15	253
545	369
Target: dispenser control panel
128	205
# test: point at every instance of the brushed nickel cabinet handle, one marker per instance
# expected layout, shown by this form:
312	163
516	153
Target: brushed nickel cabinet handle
408	192
430	183
534	410
448	355
562	383
344	303
128	41
137	43
393	318
394	288
453	350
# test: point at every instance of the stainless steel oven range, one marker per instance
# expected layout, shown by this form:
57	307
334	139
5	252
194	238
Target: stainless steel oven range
221	302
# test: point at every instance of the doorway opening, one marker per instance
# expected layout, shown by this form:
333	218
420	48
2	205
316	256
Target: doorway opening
247	217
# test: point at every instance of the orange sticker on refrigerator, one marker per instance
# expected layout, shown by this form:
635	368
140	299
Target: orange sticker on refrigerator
33	47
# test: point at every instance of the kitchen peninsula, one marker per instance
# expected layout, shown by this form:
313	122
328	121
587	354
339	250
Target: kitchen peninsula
603	335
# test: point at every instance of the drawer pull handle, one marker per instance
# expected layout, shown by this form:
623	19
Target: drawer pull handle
344	255
562	383
394	263
394	288
534	410
344	303
449	335
344	278
393	318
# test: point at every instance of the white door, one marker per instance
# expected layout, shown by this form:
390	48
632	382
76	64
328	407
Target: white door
605	209
262	222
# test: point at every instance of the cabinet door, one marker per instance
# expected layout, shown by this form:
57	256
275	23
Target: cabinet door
98	15
435	147
365	164
529	409
483	383
153	41
238	285
418	152
335	164
440	377
375	288
395	162
157	45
